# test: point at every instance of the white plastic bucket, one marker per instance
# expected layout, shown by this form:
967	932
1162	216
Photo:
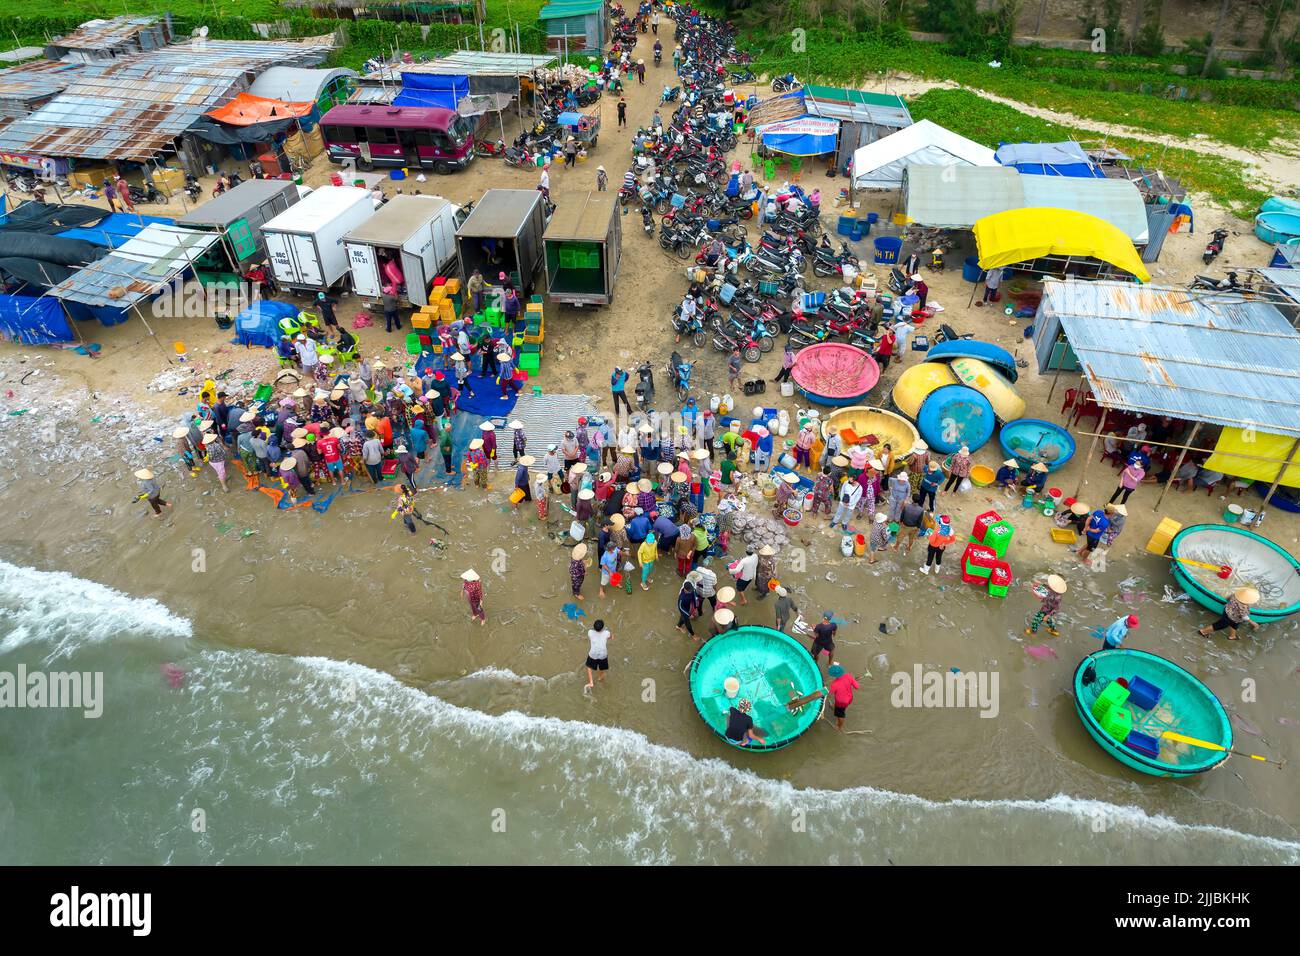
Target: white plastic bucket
788	461
713	404
1247	516
787	389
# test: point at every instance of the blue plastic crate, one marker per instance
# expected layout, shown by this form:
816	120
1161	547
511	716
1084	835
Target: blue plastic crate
727	293
1143	694
1146	745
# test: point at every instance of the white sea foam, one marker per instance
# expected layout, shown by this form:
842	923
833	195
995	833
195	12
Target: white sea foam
297	735
65	613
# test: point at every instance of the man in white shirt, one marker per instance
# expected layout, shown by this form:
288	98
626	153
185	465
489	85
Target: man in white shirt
544	183
597	654
306	350
744	571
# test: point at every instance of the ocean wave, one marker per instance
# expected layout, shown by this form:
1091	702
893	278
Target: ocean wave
64	613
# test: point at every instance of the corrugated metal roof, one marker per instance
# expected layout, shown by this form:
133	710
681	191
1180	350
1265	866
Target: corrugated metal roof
500	212
471	63
1287	281
563	9
857	106
134	107
22	86
139	267
106	34
1219	358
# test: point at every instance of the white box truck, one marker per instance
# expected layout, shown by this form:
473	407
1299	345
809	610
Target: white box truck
305	242
406	244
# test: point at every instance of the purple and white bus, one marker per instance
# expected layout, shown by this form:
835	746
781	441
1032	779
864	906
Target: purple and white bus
420	137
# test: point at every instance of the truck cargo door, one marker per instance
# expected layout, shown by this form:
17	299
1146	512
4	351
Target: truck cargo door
365	269
309	267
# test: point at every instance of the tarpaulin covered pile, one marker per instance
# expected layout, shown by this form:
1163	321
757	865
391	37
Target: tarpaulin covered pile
1049	159
30	320
259	324
1021	235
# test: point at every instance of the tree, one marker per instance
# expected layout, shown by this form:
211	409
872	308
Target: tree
1213	49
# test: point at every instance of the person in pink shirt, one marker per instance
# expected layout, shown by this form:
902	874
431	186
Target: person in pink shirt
842	687
1129	479
803	443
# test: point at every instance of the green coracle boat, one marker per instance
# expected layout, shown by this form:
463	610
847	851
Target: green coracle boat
772	668
1255	561
1127	699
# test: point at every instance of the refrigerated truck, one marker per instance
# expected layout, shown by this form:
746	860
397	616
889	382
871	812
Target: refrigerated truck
239	214
503	234
305	242
407	243
582	245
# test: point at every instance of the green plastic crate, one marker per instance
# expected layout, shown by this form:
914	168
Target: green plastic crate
568	258
413	346
1115	695
1118	722
998	590
530	362
977	572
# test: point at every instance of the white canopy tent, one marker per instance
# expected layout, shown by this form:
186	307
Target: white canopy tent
880	165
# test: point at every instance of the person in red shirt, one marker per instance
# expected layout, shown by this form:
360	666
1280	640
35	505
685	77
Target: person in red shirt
385	430
331	449
920	290
885	349
842	687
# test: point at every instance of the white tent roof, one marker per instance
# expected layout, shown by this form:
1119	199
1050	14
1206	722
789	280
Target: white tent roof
880	165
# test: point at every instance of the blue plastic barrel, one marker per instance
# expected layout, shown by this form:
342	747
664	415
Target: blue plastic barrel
846	226
888	249
873	218
397	174
970	269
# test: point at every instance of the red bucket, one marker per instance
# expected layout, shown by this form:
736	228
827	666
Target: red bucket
615	580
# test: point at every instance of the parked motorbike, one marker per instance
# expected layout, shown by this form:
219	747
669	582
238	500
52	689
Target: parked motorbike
679	371
192	187
1229	284
645	386
786	84
647	221
1214	246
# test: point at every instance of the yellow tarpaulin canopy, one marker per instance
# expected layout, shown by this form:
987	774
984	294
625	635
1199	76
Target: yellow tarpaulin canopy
1237	441
1019	235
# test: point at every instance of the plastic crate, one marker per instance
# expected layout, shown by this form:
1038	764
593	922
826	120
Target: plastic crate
413	344
1064	535
1143	694
998	536
1118	723
530	362
421	320
436	294
452	285
1115	695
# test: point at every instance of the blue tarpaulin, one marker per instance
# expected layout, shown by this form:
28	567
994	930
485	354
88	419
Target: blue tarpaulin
113	230
428	89
259	324
34	321
1048	159
806	136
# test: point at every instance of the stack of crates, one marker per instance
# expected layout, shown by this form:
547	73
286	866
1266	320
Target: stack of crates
999	579
494	317
998	536
534	321
977	563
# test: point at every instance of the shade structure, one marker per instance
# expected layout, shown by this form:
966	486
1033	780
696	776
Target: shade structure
1021	235
806	136
1234	442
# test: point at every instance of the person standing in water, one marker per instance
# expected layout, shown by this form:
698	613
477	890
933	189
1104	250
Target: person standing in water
1048	610
578	569
151	491
597	654
473	591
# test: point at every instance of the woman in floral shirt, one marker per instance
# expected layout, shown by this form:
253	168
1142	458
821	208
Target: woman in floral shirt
958	469
473	591
578	569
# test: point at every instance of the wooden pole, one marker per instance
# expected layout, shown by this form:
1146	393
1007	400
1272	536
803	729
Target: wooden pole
1173	473
1259	516
1083	474
1052	391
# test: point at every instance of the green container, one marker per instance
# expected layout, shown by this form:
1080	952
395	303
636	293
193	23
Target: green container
998	537
1115	695
568	258
1118	723
998	590
977	572
530	362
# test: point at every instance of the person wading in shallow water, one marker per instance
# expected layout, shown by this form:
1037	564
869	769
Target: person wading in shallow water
597	654
473	591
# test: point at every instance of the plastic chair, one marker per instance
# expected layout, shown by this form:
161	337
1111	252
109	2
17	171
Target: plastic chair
796	167
769	169
1070	395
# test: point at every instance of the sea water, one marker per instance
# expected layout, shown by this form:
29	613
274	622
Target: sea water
242	756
